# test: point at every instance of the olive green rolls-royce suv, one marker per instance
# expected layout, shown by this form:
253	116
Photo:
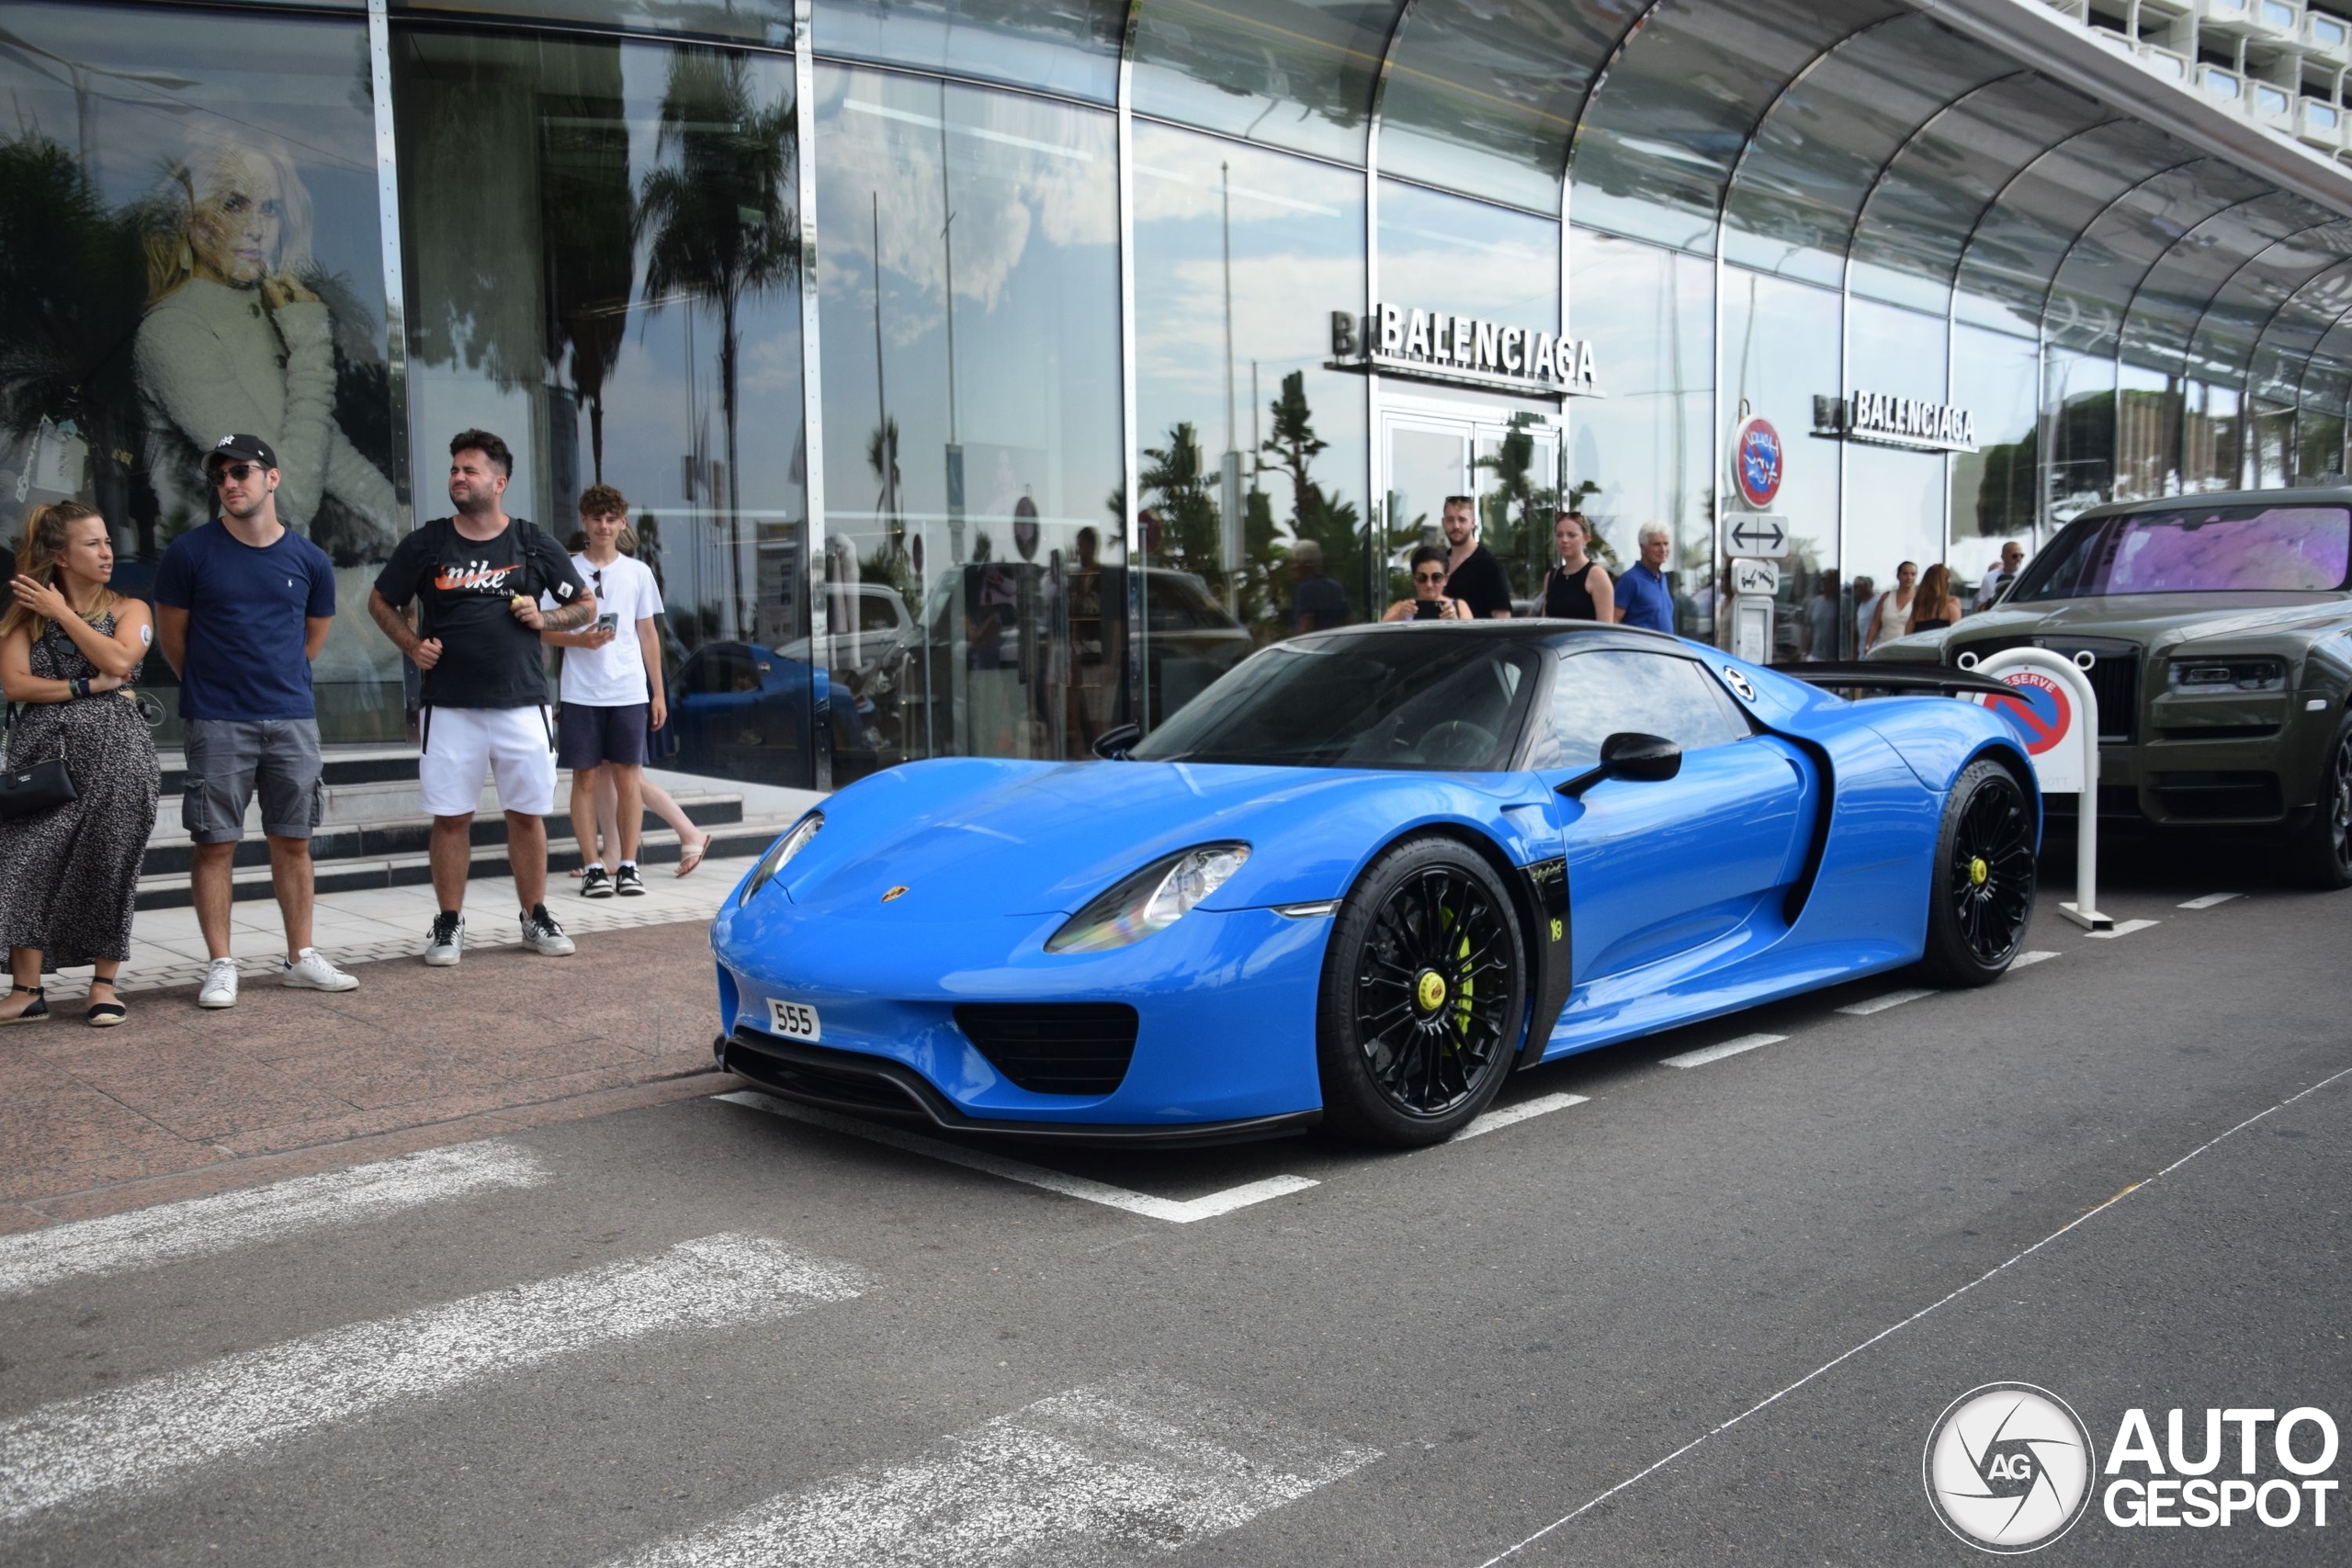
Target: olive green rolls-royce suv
2220	628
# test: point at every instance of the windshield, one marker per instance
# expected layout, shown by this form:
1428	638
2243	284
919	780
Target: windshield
2196	550
1408	699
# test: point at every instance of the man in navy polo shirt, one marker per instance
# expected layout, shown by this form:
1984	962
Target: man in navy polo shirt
242	607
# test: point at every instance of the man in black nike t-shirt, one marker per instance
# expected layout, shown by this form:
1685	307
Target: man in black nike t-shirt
476	578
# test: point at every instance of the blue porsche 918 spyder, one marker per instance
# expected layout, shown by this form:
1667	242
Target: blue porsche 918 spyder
1365	873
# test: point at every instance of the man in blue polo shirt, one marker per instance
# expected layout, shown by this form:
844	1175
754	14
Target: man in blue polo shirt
1643	598
241	606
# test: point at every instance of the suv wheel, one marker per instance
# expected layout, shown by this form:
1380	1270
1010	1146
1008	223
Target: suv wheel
2321	855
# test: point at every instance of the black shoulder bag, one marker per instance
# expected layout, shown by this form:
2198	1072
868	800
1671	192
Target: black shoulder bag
29	791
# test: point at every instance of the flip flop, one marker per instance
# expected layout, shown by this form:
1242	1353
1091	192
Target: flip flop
690	856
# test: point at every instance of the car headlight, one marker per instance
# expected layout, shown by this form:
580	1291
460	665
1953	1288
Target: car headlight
1151	901
779	853
2194	675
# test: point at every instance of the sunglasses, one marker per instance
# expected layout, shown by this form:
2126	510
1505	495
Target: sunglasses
1429	577
240	473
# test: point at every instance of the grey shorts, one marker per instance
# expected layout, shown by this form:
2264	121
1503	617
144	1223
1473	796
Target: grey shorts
229	758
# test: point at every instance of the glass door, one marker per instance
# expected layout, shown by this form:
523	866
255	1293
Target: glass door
1506	459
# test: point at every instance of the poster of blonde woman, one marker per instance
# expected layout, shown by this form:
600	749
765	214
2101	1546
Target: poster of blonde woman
238	335
190	245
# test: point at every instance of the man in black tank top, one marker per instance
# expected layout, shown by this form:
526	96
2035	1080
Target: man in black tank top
1475	577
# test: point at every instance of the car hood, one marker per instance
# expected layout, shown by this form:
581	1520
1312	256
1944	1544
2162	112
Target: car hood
2152	620
970	837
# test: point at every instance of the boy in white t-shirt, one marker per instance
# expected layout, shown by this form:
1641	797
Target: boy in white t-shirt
611	691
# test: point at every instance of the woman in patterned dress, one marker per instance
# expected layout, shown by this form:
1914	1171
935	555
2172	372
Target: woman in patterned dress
70	652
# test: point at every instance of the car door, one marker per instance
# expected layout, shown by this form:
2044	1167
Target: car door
1666	868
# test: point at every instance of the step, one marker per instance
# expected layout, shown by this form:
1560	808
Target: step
171	891
170	850
338	765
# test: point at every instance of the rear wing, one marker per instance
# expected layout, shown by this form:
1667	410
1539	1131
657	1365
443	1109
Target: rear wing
1888	676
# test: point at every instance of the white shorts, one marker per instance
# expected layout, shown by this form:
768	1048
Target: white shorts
461	744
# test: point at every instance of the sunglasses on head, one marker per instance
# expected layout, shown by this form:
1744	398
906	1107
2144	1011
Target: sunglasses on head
238	471
1429	577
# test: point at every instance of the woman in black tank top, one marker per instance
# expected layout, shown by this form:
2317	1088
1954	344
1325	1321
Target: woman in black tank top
1577	587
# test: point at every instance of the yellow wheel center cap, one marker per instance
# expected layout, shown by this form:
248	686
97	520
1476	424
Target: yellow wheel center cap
1429	991
1978	871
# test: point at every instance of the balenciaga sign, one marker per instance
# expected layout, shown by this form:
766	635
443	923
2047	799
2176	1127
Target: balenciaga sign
1885	420
1463	350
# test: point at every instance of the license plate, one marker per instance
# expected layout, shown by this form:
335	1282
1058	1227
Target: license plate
793	1021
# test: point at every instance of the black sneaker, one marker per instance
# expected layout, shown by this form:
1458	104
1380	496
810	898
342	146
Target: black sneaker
629	885
541	934
596	883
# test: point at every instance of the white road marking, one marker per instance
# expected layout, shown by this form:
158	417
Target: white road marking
1891	1329
141	1437
1137	1467
1717	1053
2210	899
1892	999
2123	927
2023	959
1175	1211
122	1243
1512	1115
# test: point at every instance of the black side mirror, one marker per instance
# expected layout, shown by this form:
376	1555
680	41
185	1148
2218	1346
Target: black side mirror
1112	744
1629	754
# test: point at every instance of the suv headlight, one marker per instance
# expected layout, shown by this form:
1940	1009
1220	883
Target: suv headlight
2193	675
780	852
1152	899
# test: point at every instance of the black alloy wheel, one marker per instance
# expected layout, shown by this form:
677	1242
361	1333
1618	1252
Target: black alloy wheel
1424	997
2321	855
1984	877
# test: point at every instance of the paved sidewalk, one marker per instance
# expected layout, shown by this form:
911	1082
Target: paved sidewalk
178	1098
375	923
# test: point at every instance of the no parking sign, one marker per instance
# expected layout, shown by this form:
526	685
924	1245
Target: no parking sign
2054	710
2044	715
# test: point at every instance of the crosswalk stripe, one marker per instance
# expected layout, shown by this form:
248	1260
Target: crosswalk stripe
2025	960
137	1439
1137	1467
1175	1211
1701	1056
2210	900
122	1244
1892	999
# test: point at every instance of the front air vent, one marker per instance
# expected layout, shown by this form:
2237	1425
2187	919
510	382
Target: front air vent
1054	1047
2220	796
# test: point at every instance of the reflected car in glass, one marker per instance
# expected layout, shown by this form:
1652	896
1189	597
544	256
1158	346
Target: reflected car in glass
740	710
1363	877
2218	627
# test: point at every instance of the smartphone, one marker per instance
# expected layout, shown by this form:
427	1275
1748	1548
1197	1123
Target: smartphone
610	621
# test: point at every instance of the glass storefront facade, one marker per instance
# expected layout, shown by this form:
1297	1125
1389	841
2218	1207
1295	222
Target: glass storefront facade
982	377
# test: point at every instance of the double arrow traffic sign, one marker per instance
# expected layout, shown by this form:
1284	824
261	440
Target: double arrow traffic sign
1758	534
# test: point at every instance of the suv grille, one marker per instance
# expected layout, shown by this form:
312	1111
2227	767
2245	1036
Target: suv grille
1054	1047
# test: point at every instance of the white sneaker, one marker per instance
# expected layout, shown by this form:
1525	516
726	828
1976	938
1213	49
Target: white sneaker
310	971
220	984
445	943
541	934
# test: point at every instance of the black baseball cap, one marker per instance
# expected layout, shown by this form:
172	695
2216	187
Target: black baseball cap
240	448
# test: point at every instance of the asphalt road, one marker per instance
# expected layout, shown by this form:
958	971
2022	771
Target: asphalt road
708	1333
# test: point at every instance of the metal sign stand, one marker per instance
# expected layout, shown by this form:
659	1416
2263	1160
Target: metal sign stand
2068	767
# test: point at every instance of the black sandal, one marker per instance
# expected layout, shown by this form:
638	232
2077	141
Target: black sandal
36	1010
104	1015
